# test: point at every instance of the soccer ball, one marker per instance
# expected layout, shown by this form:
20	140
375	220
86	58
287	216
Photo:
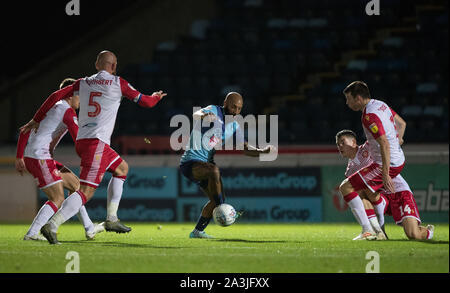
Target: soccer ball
224	215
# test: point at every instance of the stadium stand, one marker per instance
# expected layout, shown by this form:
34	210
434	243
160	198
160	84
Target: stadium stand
299	55
292	59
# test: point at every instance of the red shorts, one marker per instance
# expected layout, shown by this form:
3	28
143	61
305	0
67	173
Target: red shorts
402	205
96	158
45	172
371	177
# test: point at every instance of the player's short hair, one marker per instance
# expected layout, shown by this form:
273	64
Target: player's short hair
358	88
346	132
66	82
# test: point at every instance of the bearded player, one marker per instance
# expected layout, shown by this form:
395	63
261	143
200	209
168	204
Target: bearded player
100	97
197	162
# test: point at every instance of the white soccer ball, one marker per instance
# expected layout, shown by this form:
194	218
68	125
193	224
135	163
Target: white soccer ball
224	215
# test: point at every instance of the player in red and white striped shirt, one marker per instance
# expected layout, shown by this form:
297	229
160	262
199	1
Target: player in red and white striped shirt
401	204
35	155
362	209
379	124
100	97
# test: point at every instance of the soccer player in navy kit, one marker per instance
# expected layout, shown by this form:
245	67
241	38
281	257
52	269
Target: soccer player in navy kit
197	162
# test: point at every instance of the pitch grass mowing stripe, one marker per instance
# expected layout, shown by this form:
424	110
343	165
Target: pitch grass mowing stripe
240	248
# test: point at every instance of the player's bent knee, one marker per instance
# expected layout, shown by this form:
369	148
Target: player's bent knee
373	197
345	187
412	235
215	173
73	185
122	169
415	235
88	191
57	200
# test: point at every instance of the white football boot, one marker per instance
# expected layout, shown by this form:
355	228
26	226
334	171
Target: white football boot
98	228
35	237
366	235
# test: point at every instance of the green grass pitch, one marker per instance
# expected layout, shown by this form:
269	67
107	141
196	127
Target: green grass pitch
240	248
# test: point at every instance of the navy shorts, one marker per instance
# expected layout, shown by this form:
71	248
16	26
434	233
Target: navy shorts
186	170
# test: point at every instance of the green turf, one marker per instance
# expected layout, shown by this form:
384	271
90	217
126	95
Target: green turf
241	248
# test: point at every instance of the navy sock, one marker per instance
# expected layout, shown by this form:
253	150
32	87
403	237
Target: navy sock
218	199
202	223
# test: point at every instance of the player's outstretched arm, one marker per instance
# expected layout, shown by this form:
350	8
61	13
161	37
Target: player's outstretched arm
151	101
48	104
201	115
134	95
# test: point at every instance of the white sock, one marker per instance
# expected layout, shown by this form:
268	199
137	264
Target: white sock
379	207
69	208
85	220
42	217
429	234
375	225
357	207
115	189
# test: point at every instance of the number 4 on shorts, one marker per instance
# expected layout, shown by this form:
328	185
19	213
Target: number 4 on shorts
406	209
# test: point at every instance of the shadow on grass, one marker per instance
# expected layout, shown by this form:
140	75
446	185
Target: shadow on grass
421	241
256	241
120	244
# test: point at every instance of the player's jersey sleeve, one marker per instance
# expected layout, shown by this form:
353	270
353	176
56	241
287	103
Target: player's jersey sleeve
393	112
21	144
240	135
210	109
373	124
71	120
55	97
134	95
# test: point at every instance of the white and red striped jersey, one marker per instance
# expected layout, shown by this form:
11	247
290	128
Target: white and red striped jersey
40	145
400	184
378	120
361	160
100	97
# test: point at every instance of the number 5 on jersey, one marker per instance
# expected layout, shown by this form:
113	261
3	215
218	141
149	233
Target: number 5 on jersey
93	103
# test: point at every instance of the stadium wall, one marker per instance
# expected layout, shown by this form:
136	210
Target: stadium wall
295	188
18	199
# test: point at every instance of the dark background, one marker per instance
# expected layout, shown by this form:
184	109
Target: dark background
292	69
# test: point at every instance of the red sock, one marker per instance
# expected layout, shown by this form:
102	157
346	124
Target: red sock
350	196
370	213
